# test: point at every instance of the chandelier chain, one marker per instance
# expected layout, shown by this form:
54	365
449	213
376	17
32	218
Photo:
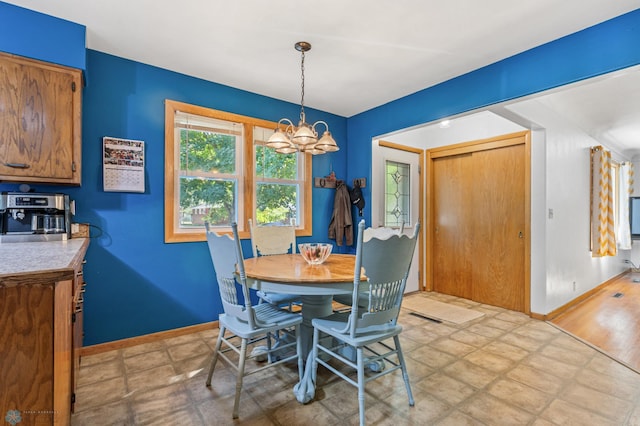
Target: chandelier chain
302	116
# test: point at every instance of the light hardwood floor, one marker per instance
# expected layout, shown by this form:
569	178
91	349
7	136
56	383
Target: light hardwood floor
609	320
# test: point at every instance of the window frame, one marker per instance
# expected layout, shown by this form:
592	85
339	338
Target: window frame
172	174
615	184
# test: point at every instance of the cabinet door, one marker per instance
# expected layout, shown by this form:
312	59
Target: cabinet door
26	352
40	109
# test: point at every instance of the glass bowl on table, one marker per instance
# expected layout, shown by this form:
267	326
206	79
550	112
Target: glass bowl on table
315	253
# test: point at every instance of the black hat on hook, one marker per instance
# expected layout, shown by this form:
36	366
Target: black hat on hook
357	199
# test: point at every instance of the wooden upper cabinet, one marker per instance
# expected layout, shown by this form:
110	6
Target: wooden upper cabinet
40	121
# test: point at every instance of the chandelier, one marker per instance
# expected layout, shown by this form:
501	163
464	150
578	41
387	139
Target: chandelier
304	137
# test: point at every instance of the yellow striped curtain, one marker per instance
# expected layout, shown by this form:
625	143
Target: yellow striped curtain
603	238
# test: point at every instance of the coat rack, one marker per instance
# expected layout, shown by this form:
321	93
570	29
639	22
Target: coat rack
328	182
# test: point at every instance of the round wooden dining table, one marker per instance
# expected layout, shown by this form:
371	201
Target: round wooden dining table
316	284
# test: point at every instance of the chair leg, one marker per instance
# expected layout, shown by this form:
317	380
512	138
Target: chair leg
314	364
215	355
270	357
405	374
360	364
241	361
299	352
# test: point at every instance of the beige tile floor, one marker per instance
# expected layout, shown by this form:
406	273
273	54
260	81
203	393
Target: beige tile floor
501	369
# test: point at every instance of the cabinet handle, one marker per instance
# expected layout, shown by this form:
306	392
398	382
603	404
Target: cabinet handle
17	165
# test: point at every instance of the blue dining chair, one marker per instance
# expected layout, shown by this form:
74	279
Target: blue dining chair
381	233
270	240
386	262
245	323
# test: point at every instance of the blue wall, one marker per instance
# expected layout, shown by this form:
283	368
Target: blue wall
36	35
137	284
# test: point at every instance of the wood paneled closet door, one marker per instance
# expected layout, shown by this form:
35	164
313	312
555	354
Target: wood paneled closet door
480	227
453	251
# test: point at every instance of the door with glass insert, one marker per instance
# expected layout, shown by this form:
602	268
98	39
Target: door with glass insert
395	194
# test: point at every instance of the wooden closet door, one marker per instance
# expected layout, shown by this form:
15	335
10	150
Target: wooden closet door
479	207
453	224
499	226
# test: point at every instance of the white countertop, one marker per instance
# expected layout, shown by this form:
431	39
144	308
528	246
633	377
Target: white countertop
20	258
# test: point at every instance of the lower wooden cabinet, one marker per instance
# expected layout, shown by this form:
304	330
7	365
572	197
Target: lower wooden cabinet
41	335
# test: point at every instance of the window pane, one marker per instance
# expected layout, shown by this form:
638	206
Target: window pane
270	164
207	151
397	200
277	203
212	200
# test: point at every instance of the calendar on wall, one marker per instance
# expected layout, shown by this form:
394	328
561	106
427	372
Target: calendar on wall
123	165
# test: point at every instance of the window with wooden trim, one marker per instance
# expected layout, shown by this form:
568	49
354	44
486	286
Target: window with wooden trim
218	170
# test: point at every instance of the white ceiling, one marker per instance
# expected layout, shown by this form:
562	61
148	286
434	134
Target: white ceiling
365	52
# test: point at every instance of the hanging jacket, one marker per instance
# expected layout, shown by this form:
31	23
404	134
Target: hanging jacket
341	225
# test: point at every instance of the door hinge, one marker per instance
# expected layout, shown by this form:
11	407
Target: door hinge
73	398
419	169
73	86
73	317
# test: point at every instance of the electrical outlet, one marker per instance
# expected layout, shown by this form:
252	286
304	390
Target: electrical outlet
574	286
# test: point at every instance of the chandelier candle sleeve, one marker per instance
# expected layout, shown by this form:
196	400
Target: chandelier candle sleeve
288	138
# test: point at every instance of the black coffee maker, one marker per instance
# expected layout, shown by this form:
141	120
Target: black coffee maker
34	217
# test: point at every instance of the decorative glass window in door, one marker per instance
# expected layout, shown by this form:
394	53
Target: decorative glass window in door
397	194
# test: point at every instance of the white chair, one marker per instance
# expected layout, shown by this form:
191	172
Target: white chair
270	240
246	323
386	265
